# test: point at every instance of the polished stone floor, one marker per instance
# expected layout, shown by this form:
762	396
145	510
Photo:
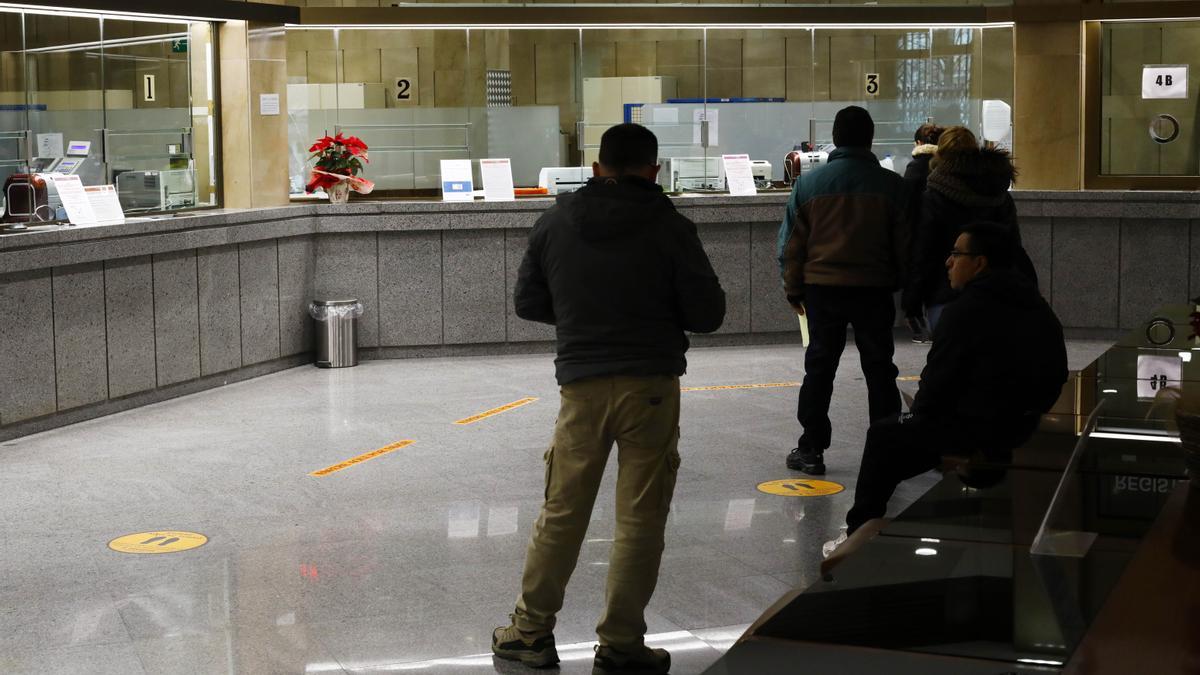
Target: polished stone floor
406	561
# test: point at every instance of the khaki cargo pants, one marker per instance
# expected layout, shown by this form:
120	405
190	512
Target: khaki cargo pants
641	414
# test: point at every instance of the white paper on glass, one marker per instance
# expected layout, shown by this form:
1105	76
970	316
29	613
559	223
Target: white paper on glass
105	204
50	145
268	104
457	180
497	180
1164	81
1155	373
738	175
711	116
74	199
997	120
665	116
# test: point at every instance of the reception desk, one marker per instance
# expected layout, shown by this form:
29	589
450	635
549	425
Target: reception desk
97	320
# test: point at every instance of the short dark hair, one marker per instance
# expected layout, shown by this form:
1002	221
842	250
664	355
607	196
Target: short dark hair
995	241
928	133
628	146
853	127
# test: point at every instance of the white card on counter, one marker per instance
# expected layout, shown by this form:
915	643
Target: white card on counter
497	180
74	199
738	175
458	183
105	204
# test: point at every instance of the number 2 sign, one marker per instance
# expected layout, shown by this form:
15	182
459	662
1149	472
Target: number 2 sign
1164	82
405	89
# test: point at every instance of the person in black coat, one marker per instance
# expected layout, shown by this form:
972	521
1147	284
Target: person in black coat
925	142
966	184
997	364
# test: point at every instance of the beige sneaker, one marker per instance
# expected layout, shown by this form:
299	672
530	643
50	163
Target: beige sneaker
643	660
533	649
832	545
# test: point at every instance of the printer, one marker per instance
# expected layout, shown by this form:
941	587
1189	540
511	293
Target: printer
691	173
563	179
156	190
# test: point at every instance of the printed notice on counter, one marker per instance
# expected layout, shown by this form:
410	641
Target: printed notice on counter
105	204
1164	81
74	199
738	176
268	104
497	180
705	119
457	181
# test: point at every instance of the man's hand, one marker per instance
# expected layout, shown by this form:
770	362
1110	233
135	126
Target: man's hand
797	303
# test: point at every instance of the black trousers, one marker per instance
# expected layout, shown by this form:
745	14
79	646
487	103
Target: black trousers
830	309
895	452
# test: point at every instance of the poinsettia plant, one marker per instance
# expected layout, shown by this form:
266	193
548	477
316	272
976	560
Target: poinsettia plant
339	158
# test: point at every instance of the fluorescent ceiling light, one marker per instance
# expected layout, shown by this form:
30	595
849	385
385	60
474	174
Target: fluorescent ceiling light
1134	437
107	14
655	26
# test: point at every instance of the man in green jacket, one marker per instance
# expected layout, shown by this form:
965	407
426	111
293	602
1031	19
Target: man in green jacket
843	249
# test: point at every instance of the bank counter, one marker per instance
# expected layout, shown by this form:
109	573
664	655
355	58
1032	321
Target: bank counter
1083	558
102	319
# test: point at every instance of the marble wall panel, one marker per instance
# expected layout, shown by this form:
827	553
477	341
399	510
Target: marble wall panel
219	309
769	311
1154	267
473	285
176	317
728	248
129	311
519	330
347	266
1086	255
1037	238
1194	260
410	288
297	273
80	343
26	346
258	265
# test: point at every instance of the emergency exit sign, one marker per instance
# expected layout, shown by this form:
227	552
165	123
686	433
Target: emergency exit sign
179	46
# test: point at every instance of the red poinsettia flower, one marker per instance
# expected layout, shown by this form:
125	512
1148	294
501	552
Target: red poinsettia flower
338	156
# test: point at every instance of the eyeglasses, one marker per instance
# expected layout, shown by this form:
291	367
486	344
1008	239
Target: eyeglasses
954	253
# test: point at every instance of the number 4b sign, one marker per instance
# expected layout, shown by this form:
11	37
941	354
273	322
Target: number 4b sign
1164	82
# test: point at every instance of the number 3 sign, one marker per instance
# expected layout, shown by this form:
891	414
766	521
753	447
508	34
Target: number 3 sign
1164	82
872	84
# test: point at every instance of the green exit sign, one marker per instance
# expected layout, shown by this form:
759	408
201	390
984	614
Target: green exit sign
179	46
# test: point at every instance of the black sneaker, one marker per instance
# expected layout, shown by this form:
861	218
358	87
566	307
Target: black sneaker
644	660
533	649
807	459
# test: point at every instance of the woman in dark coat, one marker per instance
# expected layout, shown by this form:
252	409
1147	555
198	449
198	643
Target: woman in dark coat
925	142
966	183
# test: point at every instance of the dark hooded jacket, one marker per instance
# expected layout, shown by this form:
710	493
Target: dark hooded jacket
621	275
997	362
962	188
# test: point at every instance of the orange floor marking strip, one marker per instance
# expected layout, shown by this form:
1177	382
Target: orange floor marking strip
768	385
362	458
495	411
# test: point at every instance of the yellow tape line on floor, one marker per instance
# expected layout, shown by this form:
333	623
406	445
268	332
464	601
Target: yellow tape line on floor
362	458
767	385
494	411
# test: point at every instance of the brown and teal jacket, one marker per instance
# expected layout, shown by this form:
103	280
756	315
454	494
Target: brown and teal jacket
845	225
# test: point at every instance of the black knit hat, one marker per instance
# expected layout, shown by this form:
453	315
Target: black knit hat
853	127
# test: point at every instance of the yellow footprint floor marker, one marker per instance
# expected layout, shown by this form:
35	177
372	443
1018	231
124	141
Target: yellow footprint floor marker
494	411
167	541
909	378
362	458
800	487
768	385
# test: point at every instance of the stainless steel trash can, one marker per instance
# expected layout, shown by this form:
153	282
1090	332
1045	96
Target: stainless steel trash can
336	332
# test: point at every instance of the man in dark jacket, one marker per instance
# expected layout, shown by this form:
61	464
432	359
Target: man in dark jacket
843	248
997	364
621	275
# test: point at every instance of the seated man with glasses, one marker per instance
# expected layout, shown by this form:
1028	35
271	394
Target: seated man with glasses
997	363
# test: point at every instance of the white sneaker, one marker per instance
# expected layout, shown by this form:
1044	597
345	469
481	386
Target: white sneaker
832	545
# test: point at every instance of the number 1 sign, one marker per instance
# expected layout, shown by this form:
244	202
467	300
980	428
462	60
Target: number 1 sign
1164	82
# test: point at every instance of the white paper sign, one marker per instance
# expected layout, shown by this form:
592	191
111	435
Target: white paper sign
74	199
711	116
738	175
497	180
1155	373
50	145
1164	81
665	116
997	122
268	104
457	181
105	204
